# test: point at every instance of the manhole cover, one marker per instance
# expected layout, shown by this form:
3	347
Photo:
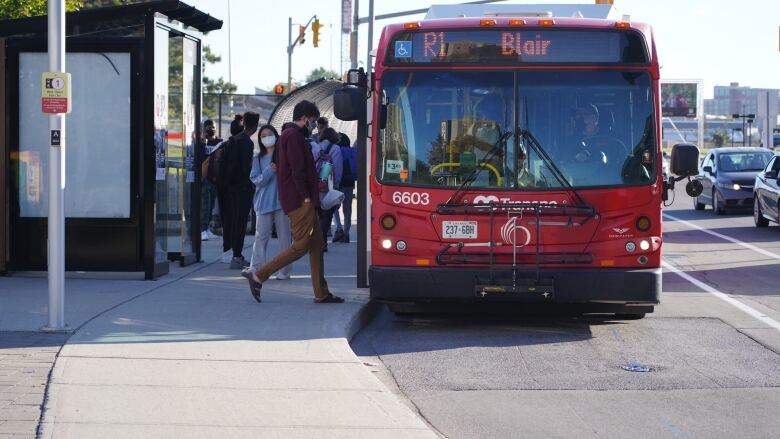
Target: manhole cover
636	367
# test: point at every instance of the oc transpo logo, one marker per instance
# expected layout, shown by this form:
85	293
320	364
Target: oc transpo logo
509	232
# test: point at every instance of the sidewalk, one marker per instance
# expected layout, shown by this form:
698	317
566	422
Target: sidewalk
192	355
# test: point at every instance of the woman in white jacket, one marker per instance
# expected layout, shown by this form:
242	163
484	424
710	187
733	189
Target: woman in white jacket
266	203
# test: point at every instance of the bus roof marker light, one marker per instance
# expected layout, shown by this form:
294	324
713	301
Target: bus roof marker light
623	25
413	25
517	22
487	22
546	22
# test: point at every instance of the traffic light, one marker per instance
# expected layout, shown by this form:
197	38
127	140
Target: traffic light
279	89
302	32
315	29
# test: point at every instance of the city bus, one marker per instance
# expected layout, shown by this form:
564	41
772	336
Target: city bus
516	158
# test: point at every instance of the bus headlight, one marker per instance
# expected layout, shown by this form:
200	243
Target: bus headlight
644	245
400	246
387	244
630	247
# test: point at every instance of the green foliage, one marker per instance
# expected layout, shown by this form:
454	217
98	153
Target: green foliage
105	3
322	72
212	87
720	138
10	9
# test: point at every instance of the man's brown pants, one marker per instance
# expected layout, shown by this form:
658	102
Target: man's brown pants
307	238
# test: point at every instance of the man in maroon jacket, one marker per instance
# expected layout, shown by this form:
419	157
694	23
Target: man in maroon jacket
300	198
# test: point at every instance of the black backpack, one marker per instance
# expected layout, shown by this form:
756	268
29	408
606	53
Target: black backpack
218	163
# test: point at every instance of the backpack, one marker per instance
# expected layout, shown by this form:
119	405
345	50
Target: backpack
321	160
324	158
215	164
349	175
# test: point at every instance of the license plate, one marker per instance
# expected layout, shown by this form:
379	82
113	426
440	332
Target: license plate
459	229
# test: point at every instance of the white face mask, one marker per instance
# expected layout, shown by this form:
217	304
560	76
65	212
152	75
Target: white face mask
268	141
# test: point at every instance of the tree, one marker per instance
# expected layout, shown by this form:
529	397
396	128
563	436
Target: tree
719	138
213	87
10	9
321	72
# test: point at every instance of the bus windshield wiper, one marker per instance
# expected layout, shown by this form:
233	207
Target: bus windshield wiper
498	146
526	136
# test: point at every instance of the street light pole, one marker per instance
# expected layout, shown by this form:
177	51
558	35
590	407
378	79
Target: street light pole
56	225
745	118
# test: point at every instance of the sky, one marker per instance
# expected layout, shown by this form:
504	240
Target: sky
717	41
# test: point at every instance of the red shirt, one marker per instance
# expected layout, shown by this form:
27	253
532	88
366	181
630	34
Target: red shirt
295	170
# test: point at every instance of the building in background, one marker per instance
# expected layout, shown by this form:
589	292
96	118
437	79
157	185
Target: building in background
736	99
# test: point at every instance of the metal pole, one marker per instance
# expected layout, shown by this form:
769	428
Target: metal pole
353	40
743	128
289	54
370	35
230	46
56	225
219	112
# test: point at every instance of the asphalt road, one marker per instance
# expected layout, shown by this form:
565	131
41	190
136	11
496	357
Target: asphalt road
707	368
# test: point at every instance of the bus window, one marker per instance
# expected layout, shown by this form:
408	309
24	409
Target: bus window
595	128
441	126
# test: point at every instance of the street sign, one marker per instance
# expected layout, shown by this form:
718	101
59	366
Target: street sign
56	138
55	93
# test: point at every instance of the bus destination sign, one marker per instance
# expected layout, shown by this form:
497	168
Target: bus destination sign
496	46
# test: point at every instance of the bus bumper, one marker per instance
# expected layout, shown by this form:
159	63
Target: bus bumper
572	286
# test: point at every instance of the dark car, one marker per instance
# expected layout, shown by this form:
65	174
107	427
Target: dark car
728	175
766	194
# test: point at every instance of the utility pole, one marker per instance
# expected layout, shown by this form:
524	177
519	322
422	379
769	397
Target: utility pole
289	53
230	46
353	39
56	226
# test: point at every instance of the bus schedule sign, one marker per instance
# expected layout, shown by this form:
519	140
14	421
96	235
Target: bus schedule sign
514	46
55	93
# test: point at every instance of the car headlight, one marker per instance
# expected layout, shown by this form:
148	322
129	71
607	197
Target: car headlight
728	185
736	187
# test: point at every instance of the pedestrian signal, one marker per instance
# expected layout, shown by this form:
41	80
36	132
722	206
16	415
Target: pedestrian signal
279	89
315	29
302	34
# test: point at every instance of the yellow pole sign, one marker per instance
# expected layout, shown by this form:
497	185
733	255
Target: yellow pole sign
55	93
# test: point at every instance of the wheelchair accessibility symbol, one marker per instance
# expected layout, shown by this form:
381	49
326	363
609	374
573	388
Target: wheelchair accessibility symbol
403	49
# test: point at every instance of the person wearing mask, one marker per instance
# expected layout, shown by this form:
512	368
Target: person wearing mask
266	203
329	152
237	166
208	199
223	195
347	187
299	195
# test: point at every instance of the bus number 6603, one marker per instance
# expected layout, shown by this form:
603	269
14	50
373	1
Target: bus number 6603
413	198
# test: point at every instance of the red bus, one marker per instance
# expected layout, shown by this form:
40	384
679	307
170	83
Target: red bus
516	159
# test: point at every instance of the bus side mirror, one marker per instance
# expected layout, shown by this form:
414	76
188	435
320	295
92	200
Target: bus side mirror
382	116
685	160
349	103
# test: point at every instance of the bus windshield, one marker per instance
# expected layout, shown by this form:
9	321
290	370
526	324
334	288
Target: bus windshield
596	126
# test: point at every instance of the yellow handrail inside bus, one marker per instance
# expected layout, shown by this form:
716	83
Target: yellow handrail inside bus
499	180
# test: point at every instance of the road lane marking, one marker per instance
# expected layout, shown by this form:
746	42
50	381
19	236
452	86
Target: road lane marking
723	296
727	238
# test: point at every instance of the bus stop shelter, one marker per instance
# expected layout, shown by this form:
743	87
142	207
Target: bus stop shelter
132	198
